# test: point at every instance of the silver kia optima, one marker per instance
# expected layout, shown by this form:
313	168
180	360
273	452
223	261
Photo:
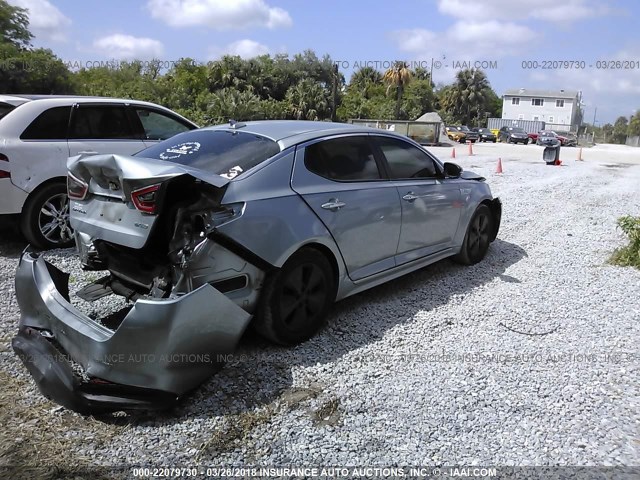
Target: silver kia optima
263	222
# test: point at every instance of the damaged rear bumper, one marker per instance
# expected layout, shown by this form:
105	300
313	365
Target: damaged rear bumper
161	350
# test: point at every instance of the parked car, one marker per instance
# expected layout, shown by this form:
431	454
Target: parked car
566	140
513	135
547	138
455	133
40	132
484	134
570	140
470	135
268	219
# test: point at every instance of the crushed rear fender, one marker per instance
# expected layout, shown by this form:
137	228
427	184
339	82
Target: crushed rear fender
162	349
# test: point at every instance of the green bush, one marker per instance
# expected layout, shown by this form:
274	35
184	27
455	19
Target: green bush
628	256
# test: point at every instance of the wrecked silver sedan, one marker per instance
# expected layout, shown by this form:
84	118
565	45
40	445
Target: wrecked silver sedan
264	222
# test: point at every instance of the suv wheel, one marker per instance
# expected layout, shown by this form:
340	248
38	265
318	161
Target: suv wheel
45	217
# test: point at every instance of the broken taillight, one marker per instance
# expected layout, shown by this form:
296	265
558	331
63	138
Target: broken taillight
76	188
4	173
144	199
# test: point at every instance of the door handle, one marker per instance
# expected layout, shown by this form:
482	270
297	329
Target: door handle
410	197
334	205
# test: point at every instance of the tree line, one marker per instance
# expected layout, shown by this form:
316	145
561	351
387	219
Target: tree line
303	86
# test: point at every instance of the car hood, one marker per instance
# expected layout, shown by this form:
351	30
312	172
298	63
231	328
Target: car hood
519	134
128	168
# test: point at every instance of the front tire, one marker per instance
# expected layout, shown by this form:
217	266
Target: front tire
45	217
478	237
296	298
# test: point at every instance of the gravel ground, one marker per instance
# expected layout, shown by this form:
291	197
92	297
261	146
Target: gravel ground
529	358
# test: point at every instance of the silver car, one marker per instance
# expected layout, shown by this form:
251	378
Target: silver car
266	223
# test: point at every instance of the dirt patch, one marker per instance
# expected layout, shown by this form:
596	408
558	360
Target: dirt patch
235	433
328	413
616	165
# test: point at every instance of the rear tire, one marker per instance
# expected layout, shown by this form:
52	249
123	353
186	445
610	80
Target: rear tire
45	217
296	298
477	239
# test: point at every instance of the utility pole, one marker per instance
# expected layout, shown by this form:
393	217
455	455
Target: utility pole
334	92
594	116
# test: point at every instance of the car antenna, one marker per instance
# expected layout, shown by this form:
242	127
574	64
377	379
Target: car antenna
234	124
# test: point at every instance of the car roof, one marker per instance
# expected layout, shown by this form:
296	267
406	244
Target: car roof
30	106
293	132
14	100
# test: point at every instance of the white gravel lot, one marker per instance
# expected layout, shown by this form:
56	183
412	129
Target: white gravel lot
529	358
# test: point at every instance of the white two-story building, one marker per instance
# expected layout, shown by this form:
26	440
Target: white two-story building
559	109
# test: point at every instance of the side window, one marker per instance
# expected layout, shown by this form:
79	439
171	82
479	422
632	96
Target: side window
405	160
158	126
49	125
98	122
342	159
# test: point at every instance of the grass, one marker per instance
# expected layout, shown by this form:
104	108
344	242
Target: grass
629	255
37	439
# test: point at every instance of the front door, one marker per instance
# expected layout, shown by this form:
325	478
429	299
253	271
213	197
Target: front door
431	204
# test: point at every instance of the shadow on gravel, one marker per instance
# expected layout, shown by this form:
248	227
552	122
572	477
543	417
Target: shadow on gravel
11	241
258	380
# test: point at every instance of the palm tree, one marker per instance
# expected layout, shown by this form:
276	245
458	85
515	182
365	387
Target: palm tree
471	87
397	77
230	103
308	100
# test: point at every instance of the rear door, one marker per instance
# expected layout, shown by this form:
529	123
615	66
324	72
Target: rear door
97	128
341	181
431	204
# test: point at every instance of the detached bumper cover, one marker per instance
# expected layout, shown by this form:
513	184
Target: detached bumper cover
161	350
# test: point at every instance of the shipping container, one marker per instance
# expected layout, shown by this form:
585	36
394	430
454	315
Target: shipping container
529	126
425	133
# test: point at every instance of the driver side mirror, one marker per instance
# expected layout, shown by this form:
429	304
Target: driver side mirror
452	169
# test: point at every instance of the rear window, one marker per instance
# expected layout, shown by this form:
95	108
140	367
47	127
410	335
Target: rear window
51	124
5	108
222	152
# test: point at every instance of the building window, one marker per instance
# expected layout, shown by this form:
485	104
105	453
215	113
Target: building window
536	118
560	103
515	101
537	102
550	118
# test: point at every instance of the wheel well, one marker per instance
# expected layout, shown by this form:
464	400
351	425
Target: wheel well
44	184
324	250
496	212
47	183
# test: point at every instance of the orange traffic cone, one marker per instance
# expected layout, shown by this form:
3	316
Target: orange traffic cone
453	152
499	168
470	148
579	159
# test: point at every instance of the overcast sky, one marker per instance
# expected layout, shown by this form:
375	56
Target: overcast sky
503	33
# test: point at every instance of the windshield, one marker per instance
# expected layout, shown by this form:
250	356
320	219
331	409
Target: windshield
225	153
517	130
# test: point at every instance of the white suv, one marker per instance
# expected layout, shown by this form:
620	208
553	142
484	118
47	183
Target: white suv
39	132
